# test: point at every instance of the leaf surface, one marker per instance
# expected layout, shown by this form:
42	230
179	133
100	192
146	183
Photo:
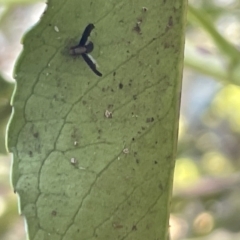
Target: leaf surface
94	157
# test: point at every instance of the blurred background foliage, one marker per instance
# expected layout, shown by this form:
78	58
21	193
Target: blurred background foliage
205	203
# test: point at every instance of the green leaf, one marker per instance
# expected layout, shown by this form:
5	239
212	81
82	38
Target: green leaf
94	157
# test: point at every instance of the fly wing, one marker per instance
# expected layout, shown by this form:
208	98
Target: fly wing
86	34
91	64
89	47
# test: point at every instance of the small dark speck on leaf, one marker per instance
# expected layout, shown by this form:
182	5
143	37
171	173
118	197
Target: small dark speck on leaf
36	135
134	228
54	213
137	161
167	45
137	27
120	85
150	120
170	21
84	102
134	97
30	153
155	162
49	24
133	139
114	74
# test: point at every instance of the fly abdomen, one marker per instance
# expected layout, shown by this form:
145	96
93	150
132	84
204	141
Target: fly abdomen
77	50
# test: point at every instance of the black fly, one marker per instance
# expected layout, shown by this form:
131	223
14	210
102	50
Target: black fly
84	48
